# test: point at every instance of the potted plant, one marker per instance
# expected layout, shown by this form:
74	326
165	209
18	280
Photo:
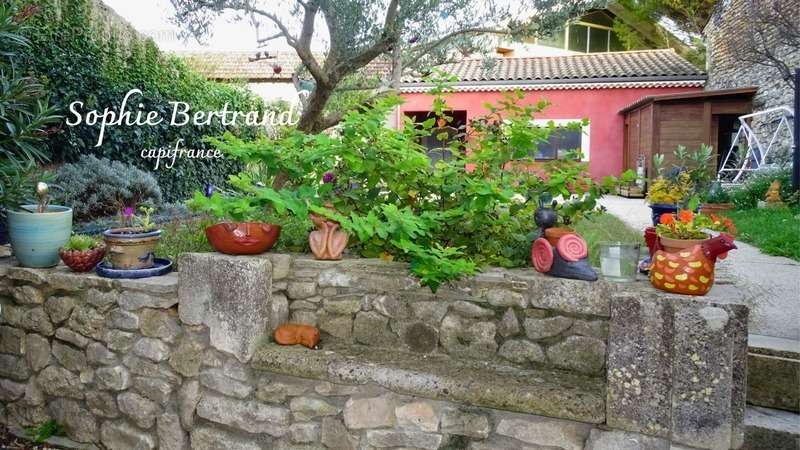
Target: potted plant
238	230
133	247
717	200
38	231
686	229
666	194
82	253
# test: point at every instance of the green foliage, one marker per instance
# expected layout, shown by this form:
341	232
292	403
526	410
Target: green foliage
755	188
79	57
81	242
25	113
776	231
143	220
447	219
97	187
45	431
182	236
717	194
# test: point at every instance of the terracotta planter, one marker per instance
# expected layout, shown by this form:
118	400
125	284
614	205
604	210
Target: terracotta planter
554	234
714	208
83	261
131	248
243	238
671	245
327	242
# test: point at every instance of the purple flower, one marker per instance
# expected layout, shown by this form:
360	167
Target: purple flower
128	212
209	190
329	177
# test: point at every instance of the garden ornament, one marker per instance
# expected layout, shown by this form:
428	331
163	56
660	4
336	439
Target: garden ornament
773	197
568	258
691	271
297	333
42	191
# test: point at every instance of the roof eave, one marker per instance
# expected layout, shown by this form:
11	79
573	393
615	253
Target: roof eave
644	101
501	83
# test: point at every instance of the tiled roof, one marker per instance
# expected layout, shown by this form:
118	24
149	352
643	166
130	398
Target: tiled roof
593	67
238	65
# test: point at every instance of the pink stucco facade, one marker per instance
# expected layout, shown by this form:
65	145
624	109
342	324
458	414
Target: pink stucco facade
600	106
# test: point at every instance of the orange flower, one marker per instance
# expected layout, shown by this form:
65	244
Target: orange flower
685	216
666	219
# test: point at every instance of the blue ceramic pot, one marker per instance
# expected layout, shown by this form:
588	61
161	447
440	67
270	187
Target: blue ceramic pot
36	237
661	208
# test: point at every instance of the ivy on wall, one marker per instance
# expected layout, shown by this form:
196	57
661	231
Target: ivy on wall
80	51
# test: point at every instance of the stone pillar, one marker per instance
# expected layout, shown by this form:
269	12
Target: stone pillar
676	369
231	295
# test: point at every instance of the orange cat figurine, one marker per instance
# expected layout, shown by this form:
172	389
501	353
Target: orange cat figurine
297	333
689	271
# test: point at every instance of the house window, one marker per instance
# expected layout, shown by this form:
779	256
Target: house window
562	141
593	33
442	134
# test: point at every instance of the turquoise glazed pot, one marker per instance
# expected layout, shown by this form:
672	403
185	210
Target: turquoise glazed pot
36	237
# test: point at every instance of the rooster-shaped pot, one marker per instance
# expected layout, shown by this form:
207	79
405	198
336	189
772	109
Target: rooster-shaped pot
567	259
690	271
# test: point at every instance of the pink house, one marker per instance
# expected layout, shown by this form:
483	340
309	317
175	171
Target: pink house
595	86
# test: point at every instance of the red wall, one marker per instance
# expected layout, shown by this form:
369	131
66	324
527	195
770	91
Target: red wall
600	106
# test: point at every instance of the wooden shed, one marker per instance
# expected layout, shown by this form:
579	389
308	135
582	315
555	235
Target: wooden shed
659	124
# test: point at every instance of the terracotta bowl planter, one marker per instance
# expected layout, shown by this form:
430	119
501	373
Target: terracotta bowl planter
83	261
554	234
675	245
131	248
714	208
243	238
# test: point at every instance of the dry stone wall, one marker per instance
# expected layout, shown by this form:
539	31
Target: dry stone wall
504	360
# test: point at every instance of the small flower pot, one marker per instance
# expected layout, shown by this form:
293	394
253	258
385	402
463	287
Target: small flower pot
131	248
36	237
243	238
554	234
671	245
661	208
82	261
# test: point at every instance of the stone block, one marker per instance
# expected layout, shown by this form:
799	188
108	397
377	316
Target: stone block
545	328
158	323
335	436
102	404
250	416
137	300
77	422
344	305
375	412
417	416
103	301
115	378
153	349
155	389
467	338
470	310
420	337
521	351
119	341
505	298
337	326
11	391
123	320
170	434
308	408
12	340
142	367
624	440
544	431
30	319
579	353
509	324
216	380
87	321
141	411
304	433
163	285
229	294
30	275
209	438
27	295
69	357
413	439
59	382
188	397
463	423
59	308
37	352
14	367
590	328
430	313
372	328
120	435
187	356
67	335
97	354
299	290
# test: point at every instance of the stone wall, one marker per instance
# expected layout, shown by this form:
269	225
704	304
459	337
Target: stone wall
727	69
505	360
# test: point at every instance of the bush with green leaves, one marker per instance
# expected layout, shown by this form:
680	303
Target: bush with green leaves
447	219
755	188
25	114
81	55
98	187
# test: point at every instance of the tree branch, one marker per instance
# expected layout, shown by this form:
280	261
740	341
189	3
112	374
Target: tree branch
424	49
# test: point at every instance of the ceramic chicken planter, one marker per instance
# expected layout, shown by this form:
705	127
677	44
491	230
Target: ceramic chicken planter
691	271
568	258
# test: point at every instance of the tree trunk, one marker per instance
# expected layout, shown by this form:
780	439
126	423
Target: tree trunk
311	119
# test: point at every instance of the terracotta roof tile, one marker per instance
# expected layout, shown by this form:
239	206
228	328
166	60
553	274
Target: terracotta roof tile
580	68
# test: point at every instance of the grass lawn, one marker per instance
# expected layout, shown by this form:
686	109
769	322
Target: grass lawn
606	228
774	231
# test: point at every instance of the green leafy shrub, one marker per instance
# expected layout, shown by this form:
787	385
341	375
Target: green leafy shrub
97	187
447	219
81	242
756	187
81	55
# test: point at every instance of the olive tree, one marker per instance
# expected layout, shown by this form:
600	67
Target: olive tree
407	35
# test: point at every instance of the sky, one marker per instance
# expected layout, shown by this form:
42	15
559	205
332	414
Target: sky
152	18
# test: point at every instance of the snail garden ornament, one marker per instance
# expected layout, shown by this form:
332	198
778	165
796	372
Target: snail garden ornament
567	257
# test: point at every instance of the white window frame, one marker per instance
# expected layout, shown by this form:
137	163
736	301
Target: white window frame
585	132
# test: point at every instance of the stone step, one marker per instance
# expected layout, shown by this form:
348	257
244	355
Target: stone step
771	429
541	392
773	372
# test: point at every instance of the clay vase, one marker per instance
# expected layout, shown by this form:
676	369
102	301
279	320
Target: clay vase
554	234
243	238
651	239
327	242
670	245
131	248
82	261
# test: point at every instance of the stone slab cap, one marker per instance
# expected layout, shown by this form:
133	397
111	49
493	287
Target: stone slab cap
229	294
